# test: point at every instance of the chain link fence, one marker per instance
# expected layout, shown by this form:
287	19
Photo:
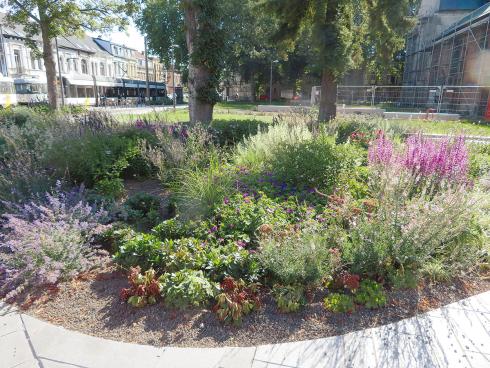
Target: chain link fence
469	101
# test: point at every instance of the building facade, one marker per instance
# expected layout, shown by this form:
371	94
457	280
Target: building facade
449	52
93	70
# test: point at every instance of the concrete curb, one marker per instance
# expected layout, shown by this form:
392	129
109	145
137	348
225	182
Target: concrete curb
457	335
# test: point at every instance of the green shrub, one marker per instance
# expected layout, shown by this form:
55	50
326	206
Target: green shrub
175	228
254	151
339	303
409	233
110	187
370	294
404	279
231	260
362	129
305	260
178	148
230	132
289	298
143	210
315	163
144	250
21	116
241	215
92	157
23	172
187	288
479	160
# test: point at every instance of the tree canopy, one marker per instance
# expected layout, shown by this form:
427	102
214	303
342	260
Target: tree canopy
341	32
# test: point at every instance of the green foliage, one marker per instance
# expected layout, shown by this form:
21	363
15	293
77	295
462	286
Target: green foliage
340	30
197	192
110	187
144	250
408	233
241	216
404	279
143	210
231	260
178	148
289	298
370	294
317	163
90	157
186	288
230	132
479	160
254	151
304	260
174	228
436	271
339	303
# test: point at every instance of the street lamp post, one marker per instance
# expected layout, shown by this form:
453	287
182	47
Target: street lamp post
62	89
270	85
173	76
147	72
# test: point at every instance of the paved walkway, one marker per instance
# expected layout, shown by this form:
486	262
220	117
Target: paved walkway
137	110
457	335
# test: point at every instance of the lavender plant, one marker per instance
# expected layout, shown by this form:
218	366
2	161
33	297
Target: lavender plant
47	240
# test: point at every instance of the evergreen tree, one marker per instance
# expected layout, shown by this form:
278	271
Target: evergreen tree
340	29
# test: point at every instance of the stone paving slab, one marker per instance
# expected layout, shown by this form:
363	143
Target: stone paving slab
457	335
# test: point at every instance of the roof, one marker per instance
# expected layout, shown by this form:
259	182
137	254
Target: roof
472	17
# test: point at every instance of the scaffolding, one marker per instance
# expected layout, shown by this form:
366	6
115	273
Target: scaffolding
457	57
456	63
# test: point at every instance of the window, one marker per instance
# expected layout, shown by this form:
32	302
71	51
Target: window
102	69
17	61
109	70
34	64
84	66
75	65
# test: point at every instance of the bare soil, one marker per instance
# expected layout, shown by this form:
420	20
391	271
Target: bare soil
91	305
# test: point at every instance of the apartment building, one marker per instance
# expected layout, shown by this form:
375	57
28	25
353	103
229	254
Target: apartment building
93	70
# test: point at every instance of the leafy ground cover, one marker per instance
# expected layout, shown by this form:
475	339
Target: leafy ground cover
284	217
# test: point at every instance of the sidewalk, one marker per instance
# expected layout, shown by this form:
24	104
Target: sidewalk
457	335
137	110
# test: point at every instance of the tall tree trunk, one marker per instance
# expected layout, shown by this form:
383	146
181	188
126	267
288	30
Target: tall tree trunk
252	87
49	63
199	75
328	96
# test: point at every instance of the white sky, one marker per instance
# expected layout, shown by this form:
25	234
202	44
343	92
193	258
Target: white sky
131	37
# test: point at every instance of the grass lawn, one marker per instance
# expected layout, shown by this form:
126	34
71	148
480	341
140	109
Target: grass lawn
180	116
244	111
445	127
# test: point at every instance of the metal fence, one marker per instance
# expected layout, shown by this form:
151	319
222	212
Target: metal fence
471	101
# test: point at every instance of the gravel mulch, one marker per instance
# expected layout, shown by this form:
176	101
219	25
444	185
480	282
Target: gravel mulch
92	306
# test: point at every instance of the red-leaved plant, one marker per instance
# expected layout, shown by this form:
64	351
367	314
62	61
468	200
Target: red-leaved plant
236	300
143	289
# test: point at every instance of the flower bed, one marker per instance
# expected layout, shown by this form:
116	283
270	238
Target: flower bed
279	218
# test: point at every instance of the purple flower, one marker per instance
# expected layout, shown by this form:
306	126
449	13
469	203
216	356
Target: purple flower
213	229
226	200
241	243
